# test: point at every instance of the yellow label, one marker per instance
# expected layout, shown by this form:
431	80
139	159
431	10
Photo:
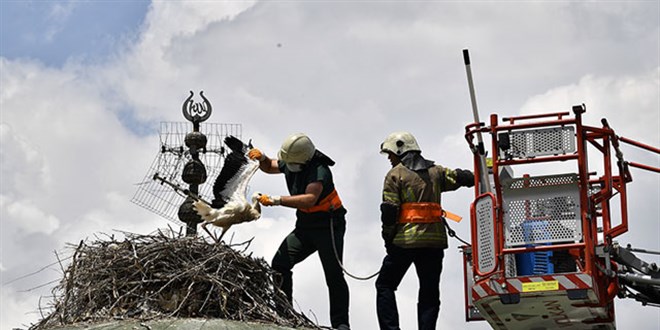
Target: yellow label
540	286
489	162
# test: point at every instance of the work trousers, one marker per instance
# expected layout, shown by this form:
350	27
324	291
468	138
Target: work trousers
299	245
428	265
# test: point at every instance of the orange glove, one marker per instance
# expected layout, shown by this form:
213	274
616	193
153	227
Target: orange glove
266	200
255	153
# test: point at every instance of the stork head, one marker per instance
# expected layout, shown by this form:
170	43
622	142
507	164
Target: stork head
255	202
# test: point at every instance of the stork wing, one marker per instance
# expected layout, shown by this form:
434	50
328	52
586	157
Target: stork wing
235	173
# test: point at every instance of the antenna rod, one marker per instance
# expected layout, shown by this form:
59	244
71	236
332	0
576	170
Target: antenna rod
178	188
483	169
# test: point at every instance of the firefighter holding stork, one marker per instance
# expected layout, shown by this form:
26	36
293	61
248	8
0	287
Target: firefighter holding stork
318	207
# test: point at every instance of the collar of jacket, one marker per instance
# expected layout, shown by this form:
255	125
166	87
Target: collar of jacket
415	162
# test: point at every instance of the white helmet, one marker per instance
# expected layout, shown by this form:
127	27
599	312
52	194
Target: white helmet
399	143
297	149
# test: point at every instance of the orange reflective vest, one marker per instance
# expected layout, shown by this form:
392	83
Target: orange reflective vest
330	202
424	213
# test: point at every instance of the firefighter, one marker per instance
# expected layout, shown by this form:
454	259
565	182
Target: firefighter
318	207
413	227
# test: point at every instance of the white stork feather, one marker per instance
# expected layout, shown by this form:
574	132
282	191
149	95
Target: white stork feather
230	205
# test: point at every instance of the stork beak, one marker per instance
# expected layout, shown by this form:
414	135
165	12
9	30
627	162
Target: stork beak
255	198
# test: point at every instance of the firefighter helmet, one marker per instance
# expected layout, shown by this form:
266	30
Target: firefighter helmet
399	143
297	149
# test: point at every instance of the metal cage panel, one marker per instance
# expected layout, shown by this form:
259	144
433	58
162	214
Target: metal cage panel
542	142
540	210
169	163
485	226
510	269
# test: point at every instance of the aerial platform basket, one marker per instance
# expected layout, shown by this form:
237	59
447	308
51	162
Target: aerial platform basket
538	255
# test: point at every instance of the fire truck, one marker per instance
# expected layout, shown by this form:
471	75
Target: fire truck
543	253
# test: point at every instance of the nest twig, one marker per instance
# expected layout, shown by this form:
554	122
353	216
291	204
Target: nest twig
154	276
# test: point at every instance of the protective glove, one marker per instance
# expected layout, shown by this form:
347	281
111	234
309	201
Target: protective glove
255	153
266	200
205	211
464	178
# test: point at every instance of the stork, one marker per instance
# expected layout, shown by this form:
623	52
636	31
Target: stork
230	205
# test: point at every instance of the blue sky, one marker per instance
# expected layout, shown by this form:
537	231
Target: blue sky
84	84
55	31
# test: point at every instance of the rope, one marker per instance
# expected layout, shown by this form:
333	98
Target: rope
452	233
334	248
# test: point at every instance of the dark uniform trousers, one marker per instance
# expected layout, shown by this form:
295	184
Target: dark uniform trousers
300	244
428	265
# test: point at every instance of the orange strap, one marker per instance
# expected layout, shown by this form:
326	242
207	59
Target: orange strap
451	216
330	202
424	213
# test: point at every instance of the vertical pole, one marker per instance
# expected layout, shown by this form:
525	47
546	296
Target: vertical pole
194	172
588	222
484	181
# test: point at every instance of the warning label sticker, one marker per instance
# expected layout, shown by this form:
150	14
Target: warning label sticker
540	286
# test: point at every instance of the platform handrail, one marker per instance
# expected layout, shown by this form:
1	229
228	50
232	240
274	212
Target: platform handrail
513	119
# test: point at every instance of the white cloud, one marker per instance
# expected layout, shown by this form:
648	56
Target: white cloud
167	21
57	17
22	165
30	218
631	103
62	10
347	74
16	309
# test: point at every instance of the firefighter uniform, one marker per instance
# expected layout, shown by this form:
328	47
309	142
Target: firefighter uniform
312	234
414	231
319	228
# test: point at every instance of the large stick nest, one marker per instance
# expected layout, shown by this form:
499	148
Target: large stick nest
156	276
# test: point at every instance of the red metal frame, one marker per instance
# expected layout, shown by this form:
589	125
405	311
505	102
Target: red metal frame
473	237
603	139
465	287
580	156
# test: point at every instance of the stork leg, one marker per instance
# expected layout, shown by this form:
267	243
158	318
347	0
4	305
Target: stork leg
208	232
224	230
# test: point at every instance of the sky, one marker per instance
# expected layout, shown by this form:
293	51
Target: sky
85	84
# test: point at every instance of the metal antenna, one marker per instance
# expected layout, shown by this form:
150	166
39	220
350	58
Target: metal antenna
185	160
483	169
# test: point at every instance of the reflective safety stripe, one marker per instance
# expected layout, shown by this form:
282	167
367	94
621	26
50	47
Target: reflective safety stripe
391	197
424	213
420	213
330	202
